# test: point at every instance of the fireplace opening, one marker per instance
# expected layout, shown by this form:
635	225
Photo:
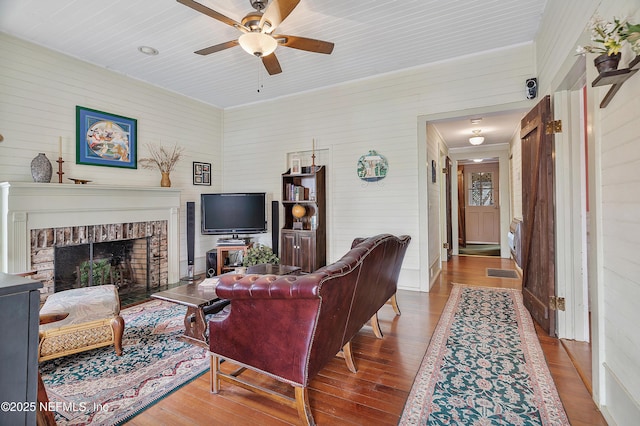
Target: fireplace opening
123	263
131	255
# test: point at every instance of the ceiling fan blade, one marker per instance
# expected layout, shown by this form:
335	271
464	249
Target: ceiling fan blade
271	63
217	48
276	12
210	12
303	43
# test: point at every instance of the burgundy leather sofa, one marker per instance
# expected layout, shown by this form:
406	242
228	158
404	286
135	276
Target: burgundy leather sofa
290	327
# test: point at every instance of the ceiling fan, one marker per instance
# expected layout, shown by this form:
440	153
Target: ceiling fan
257	28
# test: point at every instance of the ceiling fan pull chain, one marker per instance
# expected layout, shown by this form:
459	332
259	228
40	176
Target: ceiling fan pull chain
260	86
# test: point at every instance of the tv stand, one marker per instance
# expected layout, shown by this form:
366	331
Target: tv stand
223	255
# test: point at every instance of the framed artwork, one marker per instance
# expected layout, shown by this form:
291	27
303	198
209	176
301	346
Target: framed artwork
296	166
201	173
104	139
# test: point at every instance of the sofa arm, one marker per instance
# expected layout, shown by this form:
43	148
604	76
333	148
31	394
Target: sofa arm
253	286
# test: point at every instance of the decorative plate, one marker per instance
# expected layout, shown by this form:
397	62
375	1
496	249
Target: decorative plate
372	167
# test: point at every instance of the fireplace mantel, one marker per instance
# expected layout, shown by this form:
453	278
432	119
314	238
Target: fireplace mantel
25	206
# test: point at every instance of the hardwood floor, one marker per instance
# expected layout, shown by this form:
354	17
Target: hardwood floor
376	394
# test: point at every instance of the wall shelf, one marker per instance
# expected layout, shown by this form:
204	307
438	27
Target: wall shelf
616	78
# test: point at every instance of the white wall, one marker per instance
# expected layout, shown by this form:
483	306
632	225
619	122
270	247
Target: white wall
617	148
381	114
39	90
614	157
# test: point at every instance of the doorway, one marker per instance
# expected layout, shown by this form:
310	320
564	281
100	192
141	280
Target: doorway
447	134
479	201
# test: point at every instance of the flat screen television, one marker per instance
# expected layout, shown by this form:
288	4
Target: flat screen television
233	213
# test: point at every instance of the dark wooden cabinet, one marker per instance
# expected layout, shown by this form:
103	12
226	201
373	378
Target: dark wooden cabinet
303	240
299	248
19	303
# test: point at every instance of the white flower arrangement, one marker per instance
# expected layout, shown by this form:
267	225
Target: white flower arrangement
610	37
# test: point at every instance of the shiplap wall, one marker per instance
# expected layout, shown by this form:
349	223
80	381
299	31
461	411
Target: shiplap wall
381	114
615	203
619	159
619	151
39	90
562	29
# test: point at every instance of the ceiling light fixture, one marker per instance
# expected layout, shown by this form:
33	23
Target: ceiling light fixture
476	139
258	44
476	120
477	160
148	50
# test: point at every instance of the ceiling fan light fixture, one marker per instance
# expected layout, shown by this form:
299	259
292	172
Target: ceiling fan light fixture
258	44
476	139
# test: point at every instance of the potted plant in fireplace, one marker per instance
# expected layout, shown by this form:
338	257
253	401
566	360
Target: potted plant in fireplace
163	159
100	272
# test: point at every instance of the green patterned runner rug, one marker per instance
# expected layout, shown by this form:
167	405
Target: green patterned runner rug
484	366
99	387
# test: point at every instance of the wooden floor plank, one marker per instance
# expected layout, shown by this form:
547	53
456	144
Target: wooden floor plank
376	394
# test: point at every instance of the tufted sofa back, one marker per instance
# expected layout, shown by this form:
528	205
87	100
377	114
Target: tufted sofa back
289	327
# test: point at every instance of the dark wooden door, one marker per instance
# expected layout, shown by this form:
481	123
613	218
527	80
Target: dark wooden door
287	249
447	184
307	251
538	225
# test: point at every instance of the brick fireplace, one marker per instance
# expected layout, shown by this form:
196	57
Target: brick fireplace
133	256
37	217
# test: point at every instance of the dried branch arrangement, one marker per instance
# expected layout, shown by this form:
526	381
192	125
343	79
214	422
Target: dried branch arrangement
163	159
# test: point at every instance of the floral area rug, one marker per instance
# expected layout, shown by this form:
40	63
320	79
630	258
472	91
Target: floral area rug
484	366
100	388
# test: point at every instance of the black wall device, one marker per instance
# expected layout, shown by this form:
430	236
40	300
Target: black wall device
531	88
275	226
191	231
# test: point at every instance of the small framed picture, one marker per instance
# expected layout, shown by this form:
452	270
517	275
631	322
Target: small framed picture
296	166
201	173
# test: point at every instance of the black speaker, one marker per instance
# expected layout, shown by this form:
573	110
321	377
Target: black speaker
191	230
275	226
531	88
212	263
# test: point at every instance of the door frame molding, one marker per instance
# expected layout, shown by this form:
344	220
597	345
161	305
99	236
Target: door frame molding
571	220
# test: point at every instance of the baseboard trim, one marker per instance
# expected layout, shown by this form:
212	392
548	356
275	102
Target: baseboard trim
619	407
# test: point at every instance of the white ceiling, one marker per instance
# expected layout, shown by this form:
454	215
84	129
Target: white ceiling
371	37
497	128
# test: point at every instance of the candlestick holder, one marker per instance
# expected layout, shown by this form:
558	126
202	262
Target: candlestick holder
59	172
